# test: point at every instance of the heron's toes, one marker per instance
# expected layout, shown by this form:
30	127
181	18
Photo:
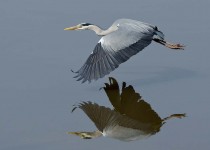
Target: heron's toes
175	46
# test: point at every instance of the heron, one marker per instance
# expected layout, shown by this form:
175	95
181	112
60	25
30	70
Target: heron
131	119
118	43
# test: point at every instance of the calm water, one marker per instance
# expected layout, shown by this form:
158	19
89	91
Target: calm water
37	88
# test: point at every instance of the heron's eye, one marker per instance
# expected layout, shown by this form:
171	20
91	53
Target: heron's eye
118	25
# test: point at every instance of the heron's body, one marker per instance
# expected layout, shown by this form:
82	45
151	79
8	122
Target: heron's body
125	134
118	43
131	119
111	123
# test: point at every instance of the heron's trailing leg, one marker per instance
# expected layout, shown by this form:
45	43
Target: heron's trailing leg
169	45
174	116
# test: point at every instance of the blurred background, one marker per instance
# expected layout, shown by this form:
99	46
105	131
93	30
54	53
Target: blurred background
37	88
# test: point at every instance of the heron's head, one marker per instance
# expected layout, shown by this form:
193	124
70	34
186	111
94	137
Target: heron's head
81	26
87	135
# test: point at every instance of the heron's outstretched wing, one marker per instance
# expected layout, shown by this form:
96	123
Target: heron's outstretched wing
115	48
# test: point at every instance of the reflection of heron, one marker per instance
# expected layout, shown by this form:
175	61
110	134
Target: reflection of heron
132	118
122	40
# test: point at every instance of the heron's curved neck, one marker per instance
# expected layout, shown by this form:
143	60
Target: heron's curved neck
101	32
96	133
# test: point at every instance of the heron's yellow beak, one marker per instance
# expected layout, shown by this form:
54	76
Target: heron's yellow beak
73	28
75	133
80	134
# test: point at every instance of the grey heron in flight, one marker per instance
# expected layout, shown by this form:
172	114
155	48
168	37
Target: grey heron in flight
131	118
119	42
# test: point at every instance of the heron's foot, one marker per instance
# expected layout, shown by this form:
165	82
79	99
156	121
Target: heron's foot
174	46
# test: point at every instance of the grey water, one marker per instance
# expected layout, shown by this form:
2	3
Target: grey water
38	91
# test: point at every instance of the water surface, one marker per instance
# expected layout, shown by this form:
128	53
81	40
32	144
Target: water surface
37	88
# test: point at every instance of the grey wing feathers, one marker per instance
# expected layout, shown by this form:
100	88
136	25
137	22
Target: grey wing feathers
102	61
98	64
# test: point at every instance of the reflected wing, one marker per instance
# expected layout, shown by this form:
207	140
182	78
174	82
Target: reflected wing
113	93
130	103
100	115
134	106
114	49
107	119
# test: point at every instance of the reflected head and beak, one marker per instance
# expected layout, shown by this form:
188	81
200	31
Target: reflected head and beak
87	135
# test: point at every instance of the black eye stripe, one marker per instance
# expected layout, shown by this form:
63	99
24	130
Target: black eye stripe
86	24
